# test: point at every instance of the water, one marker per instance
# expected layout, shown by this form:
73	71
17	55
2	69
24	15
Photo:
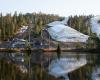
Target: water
20	66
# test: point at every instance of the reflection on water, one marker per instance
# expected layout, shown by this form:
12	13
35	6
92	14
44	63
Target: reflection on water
15	66
63	66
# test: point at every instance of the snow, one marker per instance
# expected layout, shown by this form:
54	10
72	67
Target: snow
18	41
64	22
95	25
54	23
60	32
63	66
23	29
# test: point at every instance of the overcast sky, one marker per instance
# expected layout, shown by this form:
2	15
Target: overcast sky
60	7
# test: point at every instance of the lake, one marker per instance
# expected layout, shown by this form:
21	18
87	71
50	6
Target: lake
21	66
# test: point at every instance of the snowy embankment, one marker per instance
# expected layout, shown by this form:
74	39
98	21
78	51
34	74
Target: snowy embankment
95	23
63	66
60	32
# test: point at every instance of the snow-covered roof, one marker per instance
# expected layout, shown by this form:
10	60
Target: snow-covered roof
63	66
60	32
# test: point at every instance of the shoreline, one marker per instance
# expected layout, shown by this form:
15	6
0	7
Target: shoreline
50	50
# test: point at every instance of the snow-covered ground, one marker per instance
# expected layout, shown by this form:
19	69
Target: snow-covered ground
23	29
63	66
63	22
96	25
60	32
18	41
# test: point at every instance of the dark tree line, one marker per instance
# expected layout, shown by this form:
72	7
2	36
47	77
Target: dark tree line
10	71
93	41
81	23
10	24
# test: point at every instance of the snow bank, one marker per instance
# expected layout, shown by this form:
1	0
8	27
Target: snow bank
63	66
95	25
60	32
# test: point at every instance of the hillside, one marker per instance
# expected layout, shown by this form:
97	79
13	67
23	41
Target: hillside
95	23
60	32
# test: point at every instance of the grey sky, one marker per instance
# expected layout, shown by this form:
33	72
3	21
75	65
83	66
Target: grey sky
60	7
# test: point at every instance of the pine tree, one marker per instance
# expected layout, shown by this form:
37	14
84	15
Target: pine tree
58	51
